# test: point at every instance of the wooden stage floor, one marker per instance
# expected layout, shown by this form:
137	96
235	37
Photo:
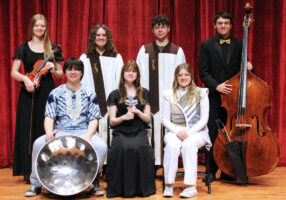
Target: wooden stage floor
271	186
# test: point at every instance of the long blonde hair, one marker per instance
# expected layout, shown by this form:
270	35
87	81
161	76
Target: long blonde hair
192	86
47	42
131	64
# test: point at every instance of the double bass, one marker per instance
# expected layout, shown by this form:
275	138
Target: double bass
247	122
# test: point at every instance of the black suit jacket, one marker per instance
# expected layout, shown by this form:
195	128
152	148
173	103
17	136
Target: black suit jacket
213	70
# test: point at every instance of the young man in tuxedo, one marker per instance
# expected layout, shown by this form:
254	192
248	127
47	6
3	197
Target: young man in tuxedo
220	59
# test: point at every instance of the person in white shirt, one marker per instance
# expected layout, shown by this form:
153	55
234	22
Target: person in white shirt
71	109
102	68
185	112
157	62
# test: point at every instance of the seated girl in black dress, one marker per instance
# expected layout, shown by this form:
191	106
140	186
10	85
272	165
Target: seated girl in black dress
130	170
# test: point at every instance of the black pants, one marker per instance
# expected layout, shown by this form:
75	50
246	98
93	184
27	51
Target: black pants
216	112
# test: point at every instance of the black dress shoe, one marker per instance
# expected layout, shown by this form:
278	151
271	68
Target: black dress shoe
211	178
226	177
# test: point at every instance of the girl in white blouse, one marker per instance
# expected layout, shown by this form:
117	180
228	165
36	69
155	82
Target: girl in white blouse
185	113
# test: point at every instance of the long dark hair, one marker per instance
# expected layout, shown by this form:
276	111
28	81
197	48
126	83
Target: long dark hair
109	46
131	64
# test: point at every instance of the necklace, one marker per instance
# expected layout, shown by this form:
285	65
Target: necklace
181	91
73	100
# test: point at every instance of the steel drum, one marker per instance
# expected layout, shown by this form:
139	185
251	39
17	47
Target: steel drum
66	165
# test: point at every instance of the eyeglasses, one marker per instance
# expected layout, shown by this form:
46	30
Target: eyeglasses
183	75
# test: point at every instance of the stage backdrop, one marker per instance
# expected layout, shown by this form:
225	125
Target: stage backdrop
70	21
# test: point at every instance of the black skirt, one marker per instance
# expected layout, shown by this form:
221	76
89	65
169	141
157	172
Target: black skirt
130	171
22	158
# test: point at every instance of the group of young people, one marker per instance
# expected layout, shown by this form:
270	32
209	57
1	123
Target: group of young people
98	86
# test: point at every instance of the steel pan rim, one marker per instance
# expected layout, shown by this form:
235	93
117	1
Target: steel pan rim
57	138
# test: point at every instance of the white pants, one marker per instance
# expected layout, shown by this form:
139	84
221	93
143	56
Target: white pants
157	138
189	149
97	143
102	126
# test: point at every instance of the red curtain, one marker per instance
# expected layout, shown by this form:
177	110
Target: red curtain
191	22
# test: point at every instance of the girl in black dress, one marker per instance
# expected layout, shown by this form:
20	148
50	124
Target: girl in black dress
130	169
38	46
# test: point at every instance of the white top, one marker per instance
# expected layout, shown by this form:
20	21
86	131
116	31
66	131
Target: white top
189	112
167	63
111	70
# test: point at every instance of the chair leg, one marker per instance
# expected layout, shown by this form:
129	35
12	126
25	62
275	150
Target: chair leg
163	180
156	167
96	180
208	182
104	171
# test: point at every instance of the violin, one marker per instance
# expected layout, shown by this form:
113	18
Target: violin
39	69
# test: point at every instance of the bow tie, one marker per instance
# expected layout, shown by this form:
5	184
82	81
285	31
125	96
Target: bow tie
221	41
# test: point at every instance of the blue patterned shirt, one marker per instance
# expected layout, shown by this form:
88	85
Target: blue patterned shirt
72	109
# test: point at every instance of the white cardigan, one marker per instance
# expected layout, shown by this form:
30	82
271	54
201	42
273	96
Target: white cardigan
189	112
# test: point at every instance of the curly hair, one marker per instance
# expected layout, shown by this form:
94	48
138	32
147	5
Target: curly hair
131	64
109	46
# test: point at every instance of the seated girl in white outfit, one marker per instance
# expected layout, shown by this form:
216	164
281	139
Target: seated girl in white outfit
185	113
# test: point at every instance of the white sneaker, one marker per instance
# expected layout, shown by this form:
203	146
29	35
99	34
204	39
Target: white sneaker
168	192
96	190
189	192
33	191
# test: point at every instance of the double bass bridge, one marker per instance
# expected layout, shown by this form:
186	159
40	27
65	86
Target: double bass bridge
243	126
